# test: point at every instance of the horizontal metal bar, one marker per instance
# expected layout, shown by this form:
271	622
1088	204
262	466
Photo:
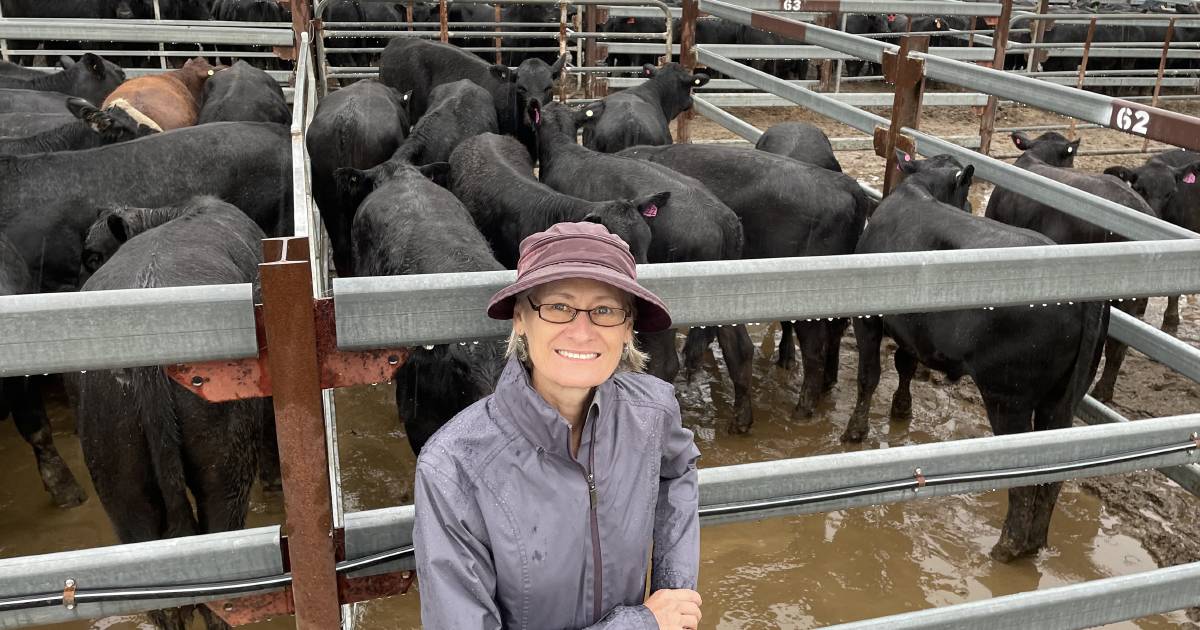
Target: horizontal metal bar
1107	19
1178	355
1089	604
780	51
116	31
381	312
233	555
725	119
913	7
856	99
92	330
1093	411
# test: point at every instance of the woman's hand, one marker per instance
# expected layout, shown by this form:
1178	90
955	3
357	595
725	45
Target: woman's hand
675	608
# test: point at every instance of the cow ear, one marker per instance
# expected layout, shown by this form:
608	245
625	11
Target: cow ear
118	227
1125	173
558	65
699	79
1073	148
438	173
1021	140
351	181
905	163
1188	173
501	72
650	206
65	61
649	70
93	63
965	175
81	108
592	217
589	113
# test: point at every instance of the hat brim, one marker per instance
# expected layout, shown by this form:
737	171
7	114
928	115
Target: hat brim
652	315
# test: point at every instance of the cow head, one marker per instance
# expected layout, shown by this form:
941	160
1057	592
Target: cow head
674	85
941	176
92	77
558	120
1052	147
630	219
1160	183
113	124
532	82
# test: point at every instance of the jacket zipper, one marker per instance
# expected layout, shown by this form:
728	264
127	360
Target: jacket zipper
594	502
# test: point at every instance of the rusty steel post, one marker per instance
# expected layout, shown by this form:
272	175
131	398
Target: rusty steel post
496	17
1087	50
687	57
1162	68
301	17
408	12
444	20
590	25
1035	36
562	49
908	75
828	66
291	335
987	122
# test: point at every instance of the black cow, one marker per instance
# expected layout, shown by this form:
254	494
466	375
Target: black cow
642	114
787	208
493	176
620	24
800	141
865	24
1167	182
1032	367
457	111
252	11
1051	155
358	126
47	209
94	9
692	225
21	396
21	101
147	441
243	93
547	14
22	124
91	78
419	65
409	225
94	128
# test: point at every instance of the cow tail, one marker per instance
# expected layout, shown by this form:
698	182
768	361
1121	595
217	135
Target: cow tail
1091	347
734	242
154	399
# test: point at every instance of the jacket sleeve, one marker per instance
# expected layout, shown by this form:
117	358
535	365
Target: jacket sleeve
456	577
626	618
677	515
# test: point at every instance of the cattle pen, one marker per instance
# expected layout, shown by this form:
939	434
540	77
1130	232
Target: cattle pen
324	333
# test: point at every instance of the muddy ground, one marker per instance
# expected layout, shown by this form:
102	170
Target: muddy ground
795	572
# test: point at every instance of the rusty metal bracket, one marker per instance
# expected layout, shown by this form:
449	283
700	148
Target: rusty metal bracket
69	593
238	379
904	142
907	73
920	477
241	611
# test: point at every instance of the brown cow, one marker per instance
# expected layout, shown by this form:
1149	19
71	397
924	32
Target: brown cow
170	100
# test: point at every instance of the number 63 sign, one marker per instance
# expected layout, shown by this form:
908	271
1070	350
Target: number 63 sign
790	5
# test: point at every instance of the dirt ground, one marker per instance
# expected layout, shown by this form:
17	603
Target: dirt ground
1151	508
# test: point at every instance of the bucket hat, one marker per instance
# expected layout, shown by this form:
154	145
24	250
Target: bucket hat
580	250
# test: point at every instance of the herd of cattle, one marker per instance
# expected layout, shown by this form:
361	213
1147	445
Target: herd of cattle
444	165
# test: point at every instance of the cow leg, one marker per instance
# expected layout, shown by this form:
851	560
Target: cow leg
221	447
1029	507
664	360
1171	316
738	351
693	350
833	351
23	396
169	619
268	456
1114	354
787	347
812	353
869	334
906	367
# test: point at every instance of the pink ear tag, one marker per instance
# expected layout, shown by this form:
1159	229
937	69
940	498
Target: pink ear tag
537	116
650	211
907	157
1190	178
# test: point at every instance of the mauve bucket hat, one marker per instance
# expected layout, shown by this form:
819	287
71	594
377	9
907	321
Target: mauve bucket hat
580	250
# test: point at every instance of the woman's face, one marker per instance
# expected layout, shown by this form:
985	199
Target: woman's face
578	354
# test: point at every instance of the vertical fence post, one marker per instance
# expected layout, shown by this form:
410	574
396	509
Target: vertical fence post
562	49
408	14
987	122
3	43
301	17
687	57
1083	63
828	66
1162	68
444	21
908	75
496	17
590	25
1038	27
300	424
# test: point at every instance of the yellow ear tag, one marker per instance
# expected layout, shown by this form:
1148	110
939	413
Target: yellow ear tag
211	72
589	113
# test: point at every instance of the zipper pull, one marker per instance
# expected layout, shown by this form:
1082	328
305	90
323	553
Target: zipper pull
592	493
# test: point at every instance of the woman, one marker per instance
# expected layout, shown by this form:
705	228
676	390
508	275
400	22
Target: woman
538	506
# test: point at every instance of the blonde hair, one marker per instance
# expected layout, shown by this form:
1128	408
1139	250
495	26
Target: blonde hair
633	359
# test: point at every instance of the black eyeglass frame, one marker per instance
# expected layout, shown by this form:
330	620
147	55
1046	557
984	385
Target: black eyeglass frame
576	311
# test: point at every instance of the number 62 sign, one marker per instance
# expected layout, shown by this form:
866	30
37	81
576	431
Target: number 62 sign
1131	120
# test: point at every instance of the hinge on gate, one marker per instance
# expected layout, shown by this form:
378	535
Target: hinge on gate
903	142
920	477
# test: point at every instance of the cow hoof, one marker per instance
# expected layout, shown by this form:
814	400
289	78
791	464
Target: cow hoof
68	496
1103	392
786	364
737	428
855	434
1171	328
828	386
901	411
1006	551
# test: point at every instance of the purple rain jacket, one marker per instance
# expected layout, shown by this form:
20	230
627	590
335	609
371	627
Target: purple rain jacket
513	532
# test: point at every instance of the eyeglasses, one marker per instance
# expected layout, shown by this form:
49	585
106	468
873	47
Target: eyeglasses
606	316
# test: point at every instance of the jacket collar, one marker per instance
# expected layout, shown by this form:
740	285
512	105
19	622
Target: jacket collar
537	420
